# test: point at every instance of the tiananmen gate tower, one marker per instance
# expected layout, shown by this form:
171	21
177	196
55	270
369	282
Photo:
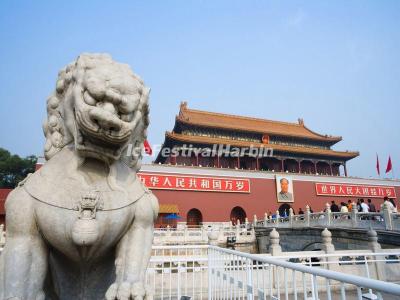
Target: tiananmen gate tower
295	148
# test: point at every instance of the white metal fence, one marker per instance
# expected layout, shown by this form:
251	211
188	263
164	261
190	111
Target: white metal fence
237	275
176	271
209	272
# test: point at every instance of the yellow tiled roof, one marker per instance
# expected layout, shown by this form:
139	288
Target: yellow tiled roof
234	122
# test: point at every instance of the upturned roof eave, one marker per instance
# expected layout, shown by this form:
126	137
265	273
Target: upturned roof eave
345	155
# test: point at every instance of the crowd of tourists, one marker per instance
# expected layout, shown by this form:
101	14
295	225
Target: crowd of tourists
361	206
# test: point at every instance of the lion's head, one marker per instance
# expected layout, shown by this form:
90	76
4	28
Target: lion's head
101	107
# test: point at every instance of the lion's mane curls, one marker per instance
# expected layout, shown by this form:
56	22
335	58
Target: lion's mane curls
55	129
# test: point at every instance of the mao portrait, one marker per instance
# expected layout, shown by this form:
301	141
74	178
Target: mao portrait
284	189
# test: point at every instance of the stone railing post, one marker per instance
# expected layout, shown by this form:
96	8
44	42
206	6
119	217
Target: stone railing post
246	223
265	219
274	247
354	212
328	247
252	236
168	234
185	234
328	214
237	230
255	221
213	237
387	217
376	248
221	236
291	217
275	250
203	234
307	216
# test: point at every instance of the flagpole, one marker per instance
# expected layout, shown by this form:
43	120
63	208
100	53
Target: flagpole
378	168
391	166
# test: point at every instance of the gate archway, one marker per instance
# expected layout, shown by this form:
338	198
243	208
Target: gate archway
238	213
194	217
284	209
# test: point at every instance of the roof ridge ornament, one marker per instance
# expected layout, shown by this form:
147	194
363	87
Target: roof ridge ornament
182	108
183	105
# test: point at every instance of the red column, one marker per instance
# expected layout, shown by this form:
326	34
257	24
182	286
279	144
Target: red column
315	167
330	166
345	169
299	162
218	162
197	159
282	165
238	162
257	164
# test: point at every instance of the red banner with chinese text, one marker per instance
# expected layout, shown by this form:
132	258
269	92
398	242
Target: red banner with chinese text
351	190
195	183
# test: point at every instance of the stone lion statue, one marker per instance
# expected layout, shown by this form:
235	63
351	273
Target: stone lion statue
81	227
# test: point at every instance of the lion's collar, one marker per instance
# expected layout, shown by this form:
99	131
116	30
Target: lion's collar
58	183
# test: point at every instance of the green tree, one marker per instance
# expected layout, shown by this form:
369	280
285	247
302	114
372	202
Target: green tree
13	168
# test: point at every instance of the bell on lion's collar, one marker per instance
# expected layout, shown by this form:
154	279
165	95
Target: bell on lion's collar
85	231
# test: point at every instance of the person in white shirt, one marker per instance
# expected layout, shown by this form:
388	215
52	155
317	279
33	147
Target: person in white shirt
343	208
389	204
364	206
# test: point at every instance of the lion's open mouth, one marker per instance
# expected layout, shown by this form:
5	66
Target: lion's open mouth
92	145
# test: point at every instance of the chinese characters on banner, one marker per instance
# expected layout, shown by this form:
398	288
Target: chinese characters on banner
351	190
195	183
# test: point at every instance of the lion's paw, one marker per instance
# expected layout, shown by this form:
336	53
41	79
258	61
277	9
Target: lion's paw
128	291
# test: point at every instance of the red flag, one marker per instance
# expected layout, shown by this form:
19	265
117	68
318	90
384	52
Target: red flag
147	148
377	165
389	165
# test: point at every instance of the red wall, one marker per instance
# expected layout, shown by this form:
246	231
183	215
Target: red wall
217	206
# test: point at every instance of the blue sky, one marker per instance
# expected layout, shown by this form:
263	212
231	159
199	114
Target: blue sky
336	64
